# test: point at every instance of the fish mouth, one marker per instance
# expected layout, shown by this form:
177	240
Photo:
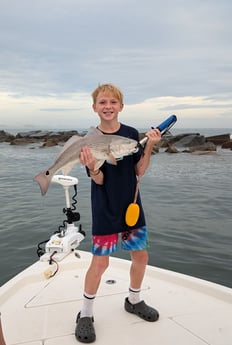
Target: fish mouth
136	149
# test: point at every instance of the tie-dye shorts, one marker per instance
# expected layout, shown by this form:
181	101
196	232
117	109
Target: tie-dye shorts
130	240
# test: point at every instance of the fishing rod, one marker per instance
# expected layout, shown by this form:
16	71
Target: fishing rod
163	127
133	210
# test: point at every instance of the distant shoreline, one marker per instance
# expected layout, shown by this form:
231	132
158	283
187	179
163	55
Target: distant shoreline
175	130
191	140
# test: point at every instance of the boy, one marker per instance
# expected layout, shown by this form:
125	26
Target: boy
112	190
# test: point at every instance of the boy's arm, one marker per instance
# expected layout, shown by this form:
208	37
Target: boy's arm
154	137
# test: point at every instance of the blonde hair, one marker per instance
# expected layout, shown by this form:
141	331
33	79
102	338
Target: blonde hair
108	89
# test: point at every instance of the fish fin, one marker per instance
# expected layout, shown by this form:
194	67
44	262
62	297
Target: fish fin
93	131
111	159
44	179
68	167
68	143
98	164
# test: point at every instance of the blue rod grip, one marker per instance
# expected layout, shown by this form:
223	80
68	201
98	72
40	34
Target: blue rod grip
163	127
168	123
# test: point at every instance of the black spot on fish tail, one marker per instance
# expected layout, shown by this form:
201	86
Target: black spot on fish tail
47	172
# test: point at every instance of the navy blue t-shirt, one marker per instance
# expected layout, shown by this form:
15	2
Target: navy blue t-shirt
110	200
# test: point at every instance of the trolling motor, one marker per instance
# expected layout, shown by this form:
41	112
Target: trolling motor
69	236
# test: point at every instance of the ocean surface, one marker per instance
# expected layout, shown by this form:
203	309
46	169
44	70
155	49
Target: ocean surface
187	201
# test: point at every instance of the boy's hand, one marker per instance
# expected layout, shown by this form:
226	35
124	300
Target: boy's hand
154	136
87	158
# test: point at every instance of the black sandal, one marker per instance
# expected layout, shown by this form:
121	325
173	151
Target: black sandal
85	332
142	310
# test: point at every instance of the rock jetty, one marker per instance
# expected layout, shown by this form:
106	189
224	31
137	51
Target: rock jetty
44	138
193	143
188	142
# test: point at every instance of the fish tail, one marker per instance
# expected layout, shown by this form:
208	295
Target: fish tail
44	179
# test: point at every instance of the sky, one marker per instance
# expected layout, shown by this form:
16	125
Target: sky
167	57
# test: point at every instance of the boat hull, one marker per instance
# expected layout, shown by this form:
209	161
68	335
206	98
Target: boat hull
37	311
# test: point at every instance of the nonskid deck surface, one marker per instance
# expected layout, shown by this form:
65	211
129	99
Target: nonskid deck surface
37	311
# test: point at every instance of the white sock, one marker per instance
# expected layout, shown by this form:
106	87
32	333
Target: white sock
134	295
87	305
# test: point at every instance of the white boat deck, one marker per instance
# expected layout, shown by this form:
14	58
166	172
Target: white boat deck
40	311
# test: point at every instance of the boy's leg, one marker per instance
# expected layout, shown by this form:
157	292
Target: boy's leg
85	331
136	242
102	247
93	276
133	304
92	281
139	260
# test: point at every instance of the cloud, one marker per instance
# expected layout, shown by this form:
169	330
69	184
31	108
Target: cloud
60	109
52	50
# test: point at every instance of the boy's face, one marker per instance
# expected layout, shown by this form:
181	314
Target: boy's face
107	106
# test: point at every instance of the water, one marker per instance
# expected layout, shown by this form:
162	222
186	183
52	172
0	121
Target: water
187	201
